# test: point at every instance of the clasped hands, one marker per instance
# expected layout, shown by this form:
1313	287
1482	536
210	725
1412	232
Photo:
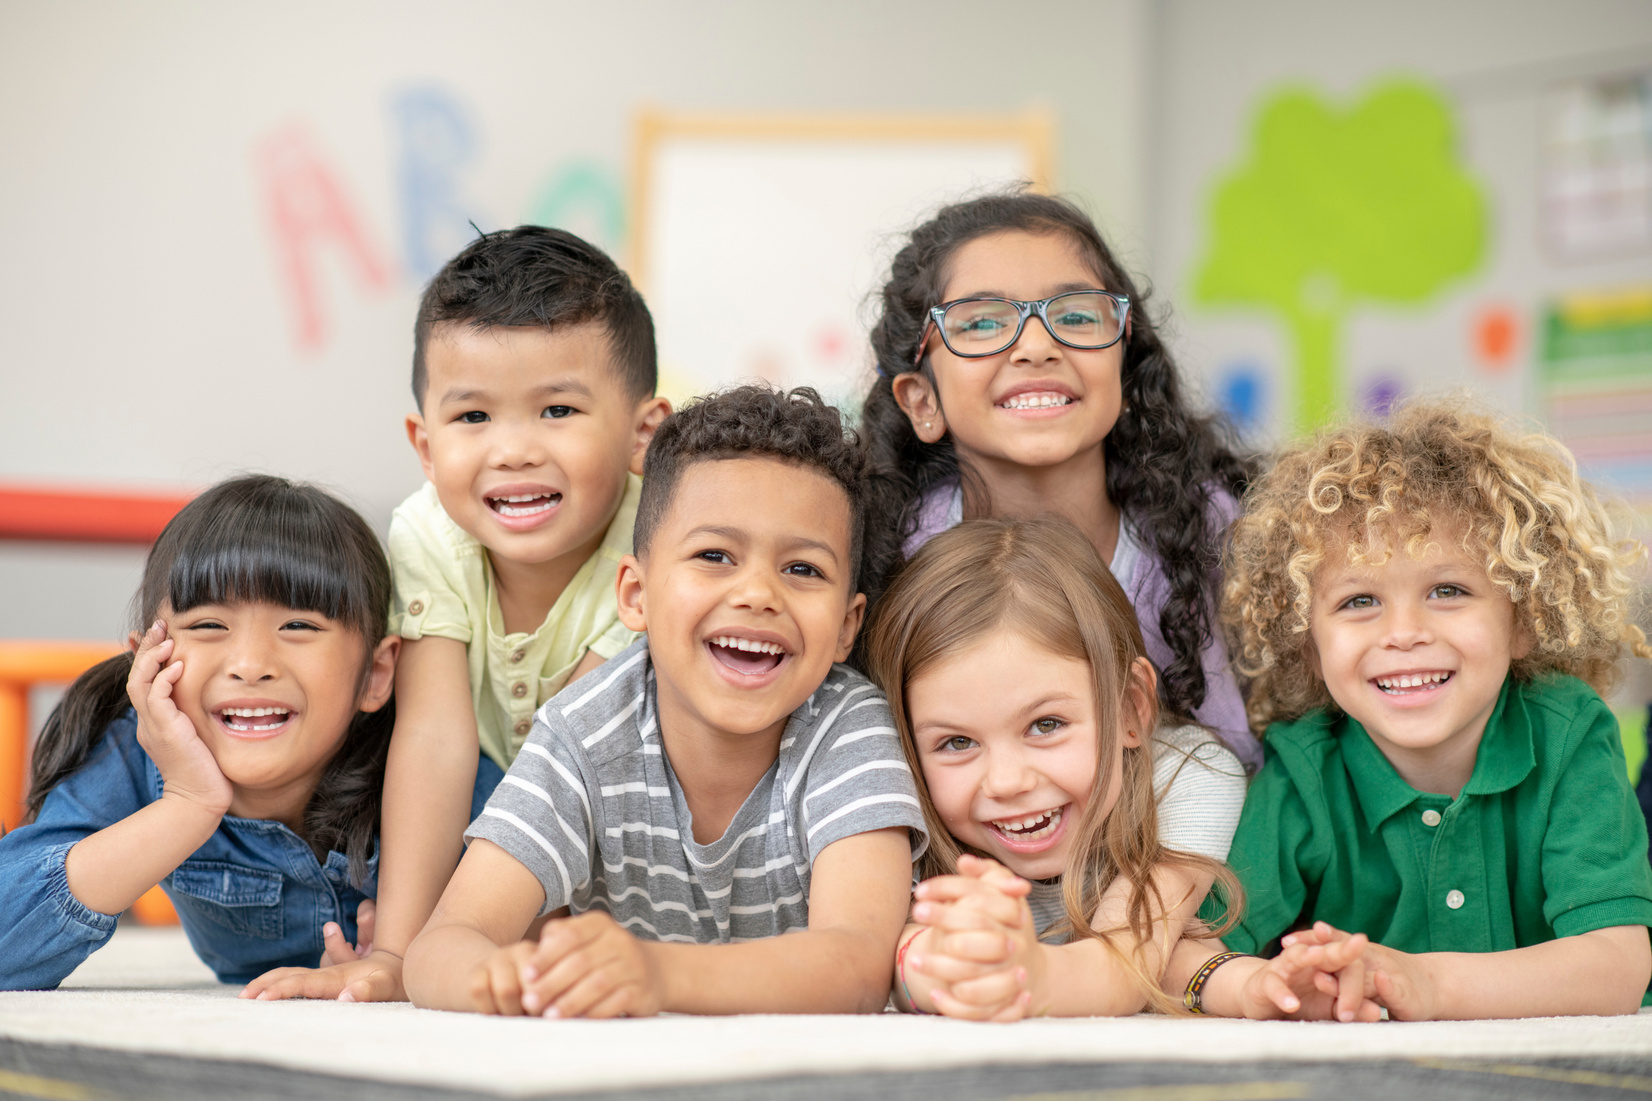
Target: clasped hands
977	957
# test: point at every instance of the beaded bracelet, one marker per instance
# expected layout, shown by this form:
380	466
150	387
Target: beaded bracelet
1192	997
900	973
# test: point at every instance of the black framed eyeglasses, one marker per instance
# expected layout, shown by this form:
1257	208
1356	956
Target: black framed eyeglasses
974	327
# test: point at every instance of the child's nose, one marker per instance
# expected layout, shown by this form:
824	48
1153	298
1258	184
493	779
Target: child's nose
756	587
1406	626
1035	345
1007	774
250	662
518	445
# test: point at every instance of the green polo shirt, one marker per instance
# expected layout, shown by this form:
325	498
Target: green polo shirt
1545	840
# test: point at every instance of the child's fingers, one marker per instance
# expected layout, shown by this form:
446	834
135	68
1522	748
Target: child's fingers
955	917
1278	992
945	888
996	989
335	949
542	985
949	969
270	979
366	920
580	998
1016	1010
495	986
619	1003
1350	990
950	1006
976	945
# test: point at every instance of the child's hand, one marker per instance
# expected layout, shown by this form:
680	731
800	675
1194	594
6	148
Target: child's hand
337	950
1402	984
1319	975
980	948
376	977
188	768
589	966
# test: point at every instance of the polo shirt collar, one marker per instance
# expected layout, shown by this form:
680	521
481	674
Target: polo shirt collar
1503	761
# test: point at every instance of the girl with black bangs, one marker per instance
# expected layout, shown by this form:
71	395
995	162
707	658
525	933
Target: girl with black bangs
235	755
1019	375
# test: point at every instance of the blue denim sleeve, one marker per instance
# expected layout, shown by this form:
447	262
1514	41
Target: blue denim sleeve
45	931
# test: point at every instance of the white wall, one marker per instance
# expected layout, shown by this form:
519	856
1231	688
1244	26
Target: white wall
150	337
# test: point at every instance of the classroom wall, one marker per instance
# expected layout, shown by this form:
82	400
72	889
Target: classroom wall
218	217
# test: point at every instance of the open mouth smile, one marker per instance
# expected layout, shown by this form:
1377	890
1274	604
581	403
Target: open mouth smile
524	504
1031	832
747	657
1036	399
1412	684
254	722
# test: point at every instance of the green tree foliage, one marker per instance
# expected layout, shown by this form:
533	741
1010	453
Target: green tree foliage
1332	208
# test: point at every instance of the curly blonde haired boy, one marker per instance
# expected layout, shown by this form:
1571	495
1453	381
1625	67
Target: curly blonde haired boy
1427	609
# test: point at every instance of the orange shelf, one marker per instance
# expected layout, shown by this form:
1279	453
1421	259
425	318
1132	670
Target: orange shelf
24	664
85	515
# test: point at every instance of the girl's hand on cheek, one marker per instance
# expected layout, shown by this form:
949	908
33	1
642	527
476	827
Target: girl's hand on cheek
165	732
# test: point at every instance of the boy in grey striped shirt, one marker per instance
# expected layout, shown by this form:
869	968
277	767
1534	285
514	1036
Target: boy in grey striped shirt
720	782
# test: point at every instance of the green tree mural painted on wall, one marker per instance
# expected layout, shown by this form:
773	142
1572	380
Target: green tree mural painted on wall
1332	208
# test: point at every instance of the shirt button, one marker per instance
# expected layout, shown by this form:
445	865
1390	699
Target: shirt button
519	689
523	727
518	655
1454	899
1431	817
416	608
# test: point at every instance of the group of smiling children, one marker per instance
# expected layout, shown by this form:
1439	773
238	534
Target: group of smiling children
638	691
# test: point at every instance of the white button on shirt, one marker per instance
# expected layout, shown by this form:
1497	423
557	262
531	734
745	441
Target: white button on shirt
1431	817
1454	899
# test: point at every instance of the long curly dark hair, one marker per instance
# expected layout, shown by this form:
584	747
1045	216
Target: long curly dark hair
1163	460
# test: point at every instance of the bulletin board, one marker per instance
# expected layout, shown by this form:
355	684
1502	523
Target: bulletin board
760	240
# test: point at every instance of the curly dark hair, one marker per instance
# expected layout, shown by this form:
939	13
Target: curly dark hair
794	426
543	278
1163	461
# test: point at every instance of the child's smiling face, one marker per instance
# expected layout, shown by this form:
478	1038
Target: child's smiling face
271	691
1006	733
1416	650
744	591
1038	403
527	435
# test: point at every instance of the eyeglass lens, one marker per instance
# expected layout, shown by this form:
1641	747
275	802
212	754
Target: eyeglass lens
983	326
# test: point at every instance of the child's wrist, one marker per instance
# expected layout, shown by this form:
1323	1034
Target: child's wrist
906	945
205	806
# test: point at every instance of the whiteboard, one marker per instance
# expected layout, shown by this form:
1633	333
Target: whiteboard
761	242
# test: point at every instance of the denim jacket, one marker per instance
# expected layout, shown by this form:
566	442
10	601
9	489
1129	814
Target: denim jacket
252	898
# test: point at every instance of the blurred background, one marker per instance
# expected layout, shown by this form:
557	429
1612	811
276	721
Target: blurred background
217	218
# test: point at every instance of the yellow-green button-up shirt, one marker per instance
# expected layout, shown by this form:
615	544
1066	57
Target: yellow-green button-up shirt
445	588
1545	840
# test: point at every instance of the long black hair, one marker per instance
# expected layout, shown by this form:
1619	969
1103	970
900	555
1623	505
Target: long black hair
1162	459
254	539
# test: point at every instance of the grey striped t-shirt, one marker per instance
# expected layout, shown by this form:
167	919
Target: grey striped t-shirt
593	809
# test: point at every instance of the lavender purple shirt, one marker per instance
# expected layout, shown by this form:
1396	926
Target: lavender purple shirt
1141	574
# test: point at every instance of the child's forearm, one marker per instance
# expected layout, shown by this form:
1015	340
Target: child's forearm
442	967
429	778
108	870
1599	973
813	971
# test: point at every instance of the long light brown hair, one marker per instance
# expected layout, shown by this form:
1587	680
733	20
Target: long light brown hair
1043	580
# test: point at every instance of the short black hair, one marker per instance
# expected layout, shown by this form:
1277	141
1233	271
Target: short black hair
754	422
546	278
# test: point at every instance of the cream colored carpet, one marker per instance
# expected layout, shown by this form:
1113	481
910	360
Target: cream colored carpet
146	992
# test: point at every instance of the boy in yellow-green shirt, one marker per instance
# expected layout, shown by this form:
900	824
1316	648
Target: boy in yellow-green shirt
534	372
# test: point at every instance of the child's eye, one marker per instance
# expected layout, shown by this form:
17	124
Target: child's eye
557	412
958	743
475	416
1446	592
720	557
1362	602
206	625
1047	725
299	625
802	569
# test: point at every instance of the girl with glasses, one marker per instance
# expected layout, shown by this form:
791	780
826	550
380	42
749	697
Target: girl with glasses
1019	375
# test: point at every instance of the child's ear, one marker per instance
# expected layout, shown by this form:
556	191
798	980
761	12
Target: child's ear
1524	637
628	592
1140	696
651	413
922	407
851	627
381	674
420	439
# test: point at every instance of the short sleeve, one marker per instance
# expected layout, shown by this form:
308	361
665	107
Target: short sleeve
1595	870
541	814
1201	790
1272	848
857	779
429	558
612	641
